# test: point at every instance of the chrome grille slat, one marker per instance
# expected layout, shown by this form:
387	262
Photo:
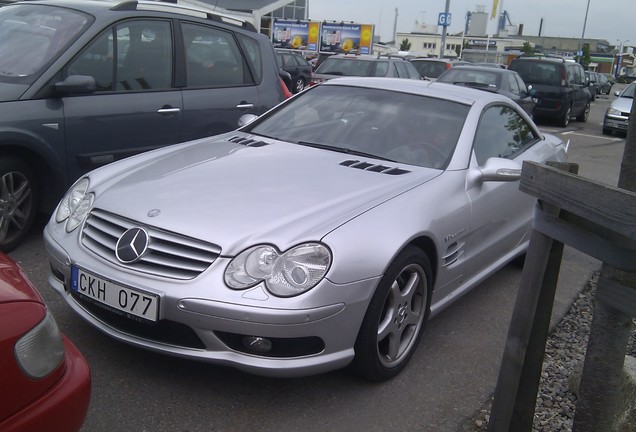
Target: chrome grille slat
169	254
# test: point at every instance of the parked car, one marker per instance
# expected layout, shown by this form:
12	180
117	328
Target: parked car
299	69
605	85
103	81
617	115
329	229
594	86
502	81
339	65
560	87
431	68
45	380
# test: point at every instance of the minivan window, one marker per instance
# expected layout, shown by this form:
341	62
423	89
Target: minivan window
538	72
41	31
213	57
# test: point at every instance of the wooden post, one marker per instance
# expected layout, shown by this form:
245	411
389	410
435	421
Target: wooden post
518	382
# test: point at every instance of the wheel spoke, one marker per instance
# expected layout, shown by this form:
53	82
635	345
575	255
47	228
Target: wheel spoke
387	325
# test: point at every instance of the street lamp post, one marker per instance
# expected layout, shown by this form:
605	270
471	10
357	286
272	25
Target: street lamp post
619	57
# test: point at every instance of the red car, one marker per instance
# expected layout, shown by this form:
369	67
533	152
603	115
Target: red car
45	380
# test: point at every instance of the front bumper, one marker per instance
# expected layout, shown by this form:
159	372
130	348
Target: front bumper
203	319
617	124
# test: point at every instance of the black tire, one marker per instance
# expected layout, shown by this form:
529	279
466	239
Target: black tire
18	201
585	114
564	121
299	85
395	319
607	131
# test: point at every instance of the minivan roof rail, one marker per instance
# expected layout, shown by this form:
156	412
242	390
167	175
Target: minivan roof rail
173	6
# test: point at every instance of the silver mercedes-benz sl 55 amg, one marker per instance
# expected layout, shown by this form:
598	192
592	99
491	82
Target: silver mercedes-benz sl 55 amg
320	235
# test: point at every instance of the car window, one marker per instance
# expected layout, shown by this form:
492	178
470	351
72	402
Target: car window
401	70
501	133
253	58
412	71
522	85
535	72
382	68
430	69
31	36
143	52
213	58
345	67
514	85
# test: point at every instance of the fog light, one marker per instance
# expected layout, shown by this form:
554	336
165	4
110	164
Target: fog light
257	344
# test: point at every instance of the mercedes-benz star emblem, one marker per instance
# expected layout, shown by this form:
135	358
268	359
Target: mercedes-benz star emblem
131	245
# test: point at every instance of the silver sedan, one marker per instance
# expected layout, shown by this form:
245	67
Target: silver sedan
320	235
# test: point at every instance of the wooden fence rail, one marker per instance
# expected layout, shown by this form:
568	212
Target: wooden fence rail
596	219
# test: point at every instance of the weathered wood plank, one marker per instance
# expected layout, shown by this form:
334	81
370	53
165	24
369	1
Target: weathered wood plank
600	204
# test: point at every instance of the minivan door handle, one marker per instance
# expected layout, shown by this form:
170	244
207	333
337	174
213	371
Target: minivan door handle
245	105
167	110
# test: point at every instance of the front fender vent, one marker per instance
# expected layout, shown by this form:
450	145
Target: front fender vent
366	166
247	141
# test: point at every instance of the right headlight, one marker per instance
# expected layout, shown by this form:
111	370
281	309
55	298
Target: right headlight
285	274
75	205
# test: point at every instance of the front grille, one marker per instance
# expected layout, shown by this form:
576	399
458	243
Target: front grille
169	255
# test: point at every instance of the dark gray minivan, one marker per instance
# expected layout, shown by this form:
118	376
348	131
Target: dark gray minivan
87	82
560	85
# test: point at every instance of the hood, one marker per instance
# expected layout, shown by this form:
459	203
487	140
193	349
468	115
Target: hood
235	195
11	92
623	104
13	283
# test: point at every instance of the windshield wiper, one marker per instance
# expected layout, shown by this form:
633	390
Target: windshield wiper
343	150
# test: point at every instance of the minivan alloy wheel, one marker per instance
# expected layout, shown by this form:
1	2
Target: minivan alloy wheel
17	203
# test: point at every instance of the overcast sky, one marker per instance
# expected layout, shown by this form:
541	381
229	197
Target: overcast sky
607	19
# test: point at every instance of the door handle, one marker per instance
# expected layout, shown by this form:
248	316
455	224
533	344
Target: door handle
245	105
168	111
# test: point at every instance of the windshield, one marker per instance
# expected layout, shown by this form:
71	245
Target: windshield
31	36
353	67
387	125
460	75
629	91
430	69
535	72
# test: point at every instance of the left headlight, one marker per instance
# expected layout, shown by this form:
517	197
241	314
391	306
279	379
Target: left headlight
285	274
75	205
614	112
41	350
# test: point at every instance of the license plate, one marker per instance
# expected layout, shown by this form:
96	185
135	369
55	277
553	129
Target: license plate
120	298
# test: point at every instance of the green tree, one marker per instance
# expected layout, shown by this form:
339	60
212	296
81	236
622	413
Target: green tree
527	49
459	49
585	59
405	45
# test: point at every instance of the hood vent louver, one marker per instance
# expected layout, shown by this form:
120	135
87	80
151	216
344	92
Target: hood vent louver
247	141
366	166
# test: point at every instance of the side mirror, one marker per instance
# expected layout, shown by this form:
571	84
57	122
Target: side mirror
246	119
617	93
500	170
76	85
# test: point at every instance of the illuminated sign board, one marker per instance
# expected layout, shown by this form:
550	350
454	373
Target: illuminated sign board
346	38
324	37
295	34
